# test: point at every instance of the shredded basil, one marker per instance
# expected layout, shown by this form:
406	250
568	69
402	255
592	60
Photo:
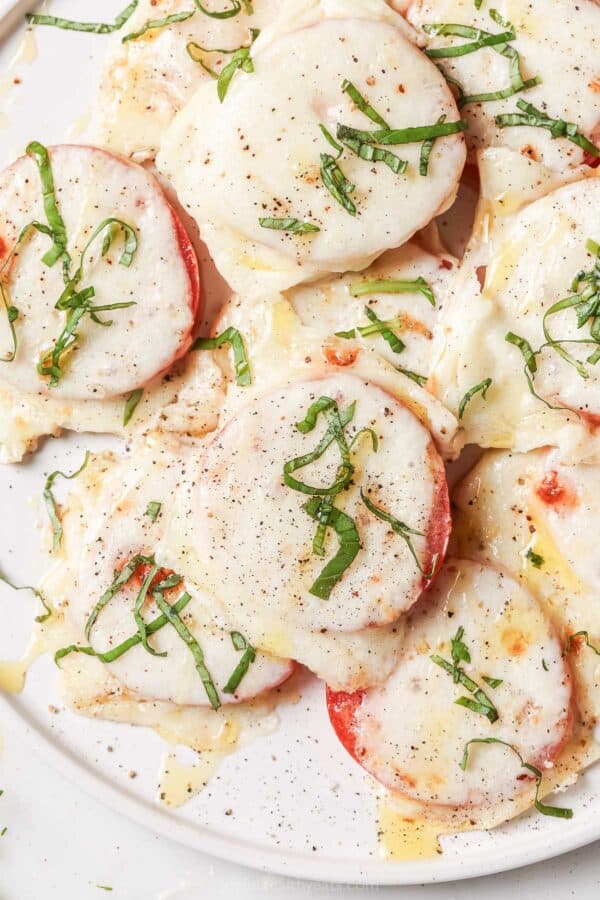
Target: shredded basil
92	27
421	380
51	506
58	231
574	638
335	432
38	594
131	404
77	304
135	639
336	183
377	326
12	313
121	579
332	141
294	226
375	154
530	368
235	340
535	559
240	59
240	643
481	703
402	135
192	644
482	39
426	150
533	117
139	604
393	286
153	24
347	533
153	510
362	104
235	7
481	388
402	530
558	812
493	682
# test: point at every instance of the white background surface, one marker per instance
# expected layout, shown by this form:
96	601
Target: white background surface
60	843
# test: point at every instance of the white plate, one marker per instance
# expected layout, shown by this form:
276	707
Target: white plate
292	803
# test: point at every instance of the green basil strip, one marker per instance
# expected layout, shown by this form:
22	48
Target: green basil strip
294	226
235	7
533	117
51	506
248	8
482	703
363	432
347	533
337	422
38	594
332	141
91	27
393	286
131	404
121	579
402	135
493	682
137	611
375	154
135	639
153	510
39	154
481	39
323	521
235	340
402	530
362	104
478	4
395	344
559	812
314	410
530	368
12	313
535	559
240	60
459	651
336	182
426	151
153	24
192	644
481	388
575	638
240	643
421	380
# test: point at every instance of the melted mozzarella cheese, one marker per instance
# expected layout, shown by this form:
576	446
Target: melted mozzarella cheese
560	46
108	524
411	734
258	153
92	186
146	81
257	538
521	261
328	307
553	514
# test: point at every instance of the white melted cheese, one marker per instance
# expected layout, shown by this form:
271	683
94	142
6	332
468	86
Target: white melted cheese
90	187
522	259
328	307
257	539
107	524
553	513
560	45
258	153
411	733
